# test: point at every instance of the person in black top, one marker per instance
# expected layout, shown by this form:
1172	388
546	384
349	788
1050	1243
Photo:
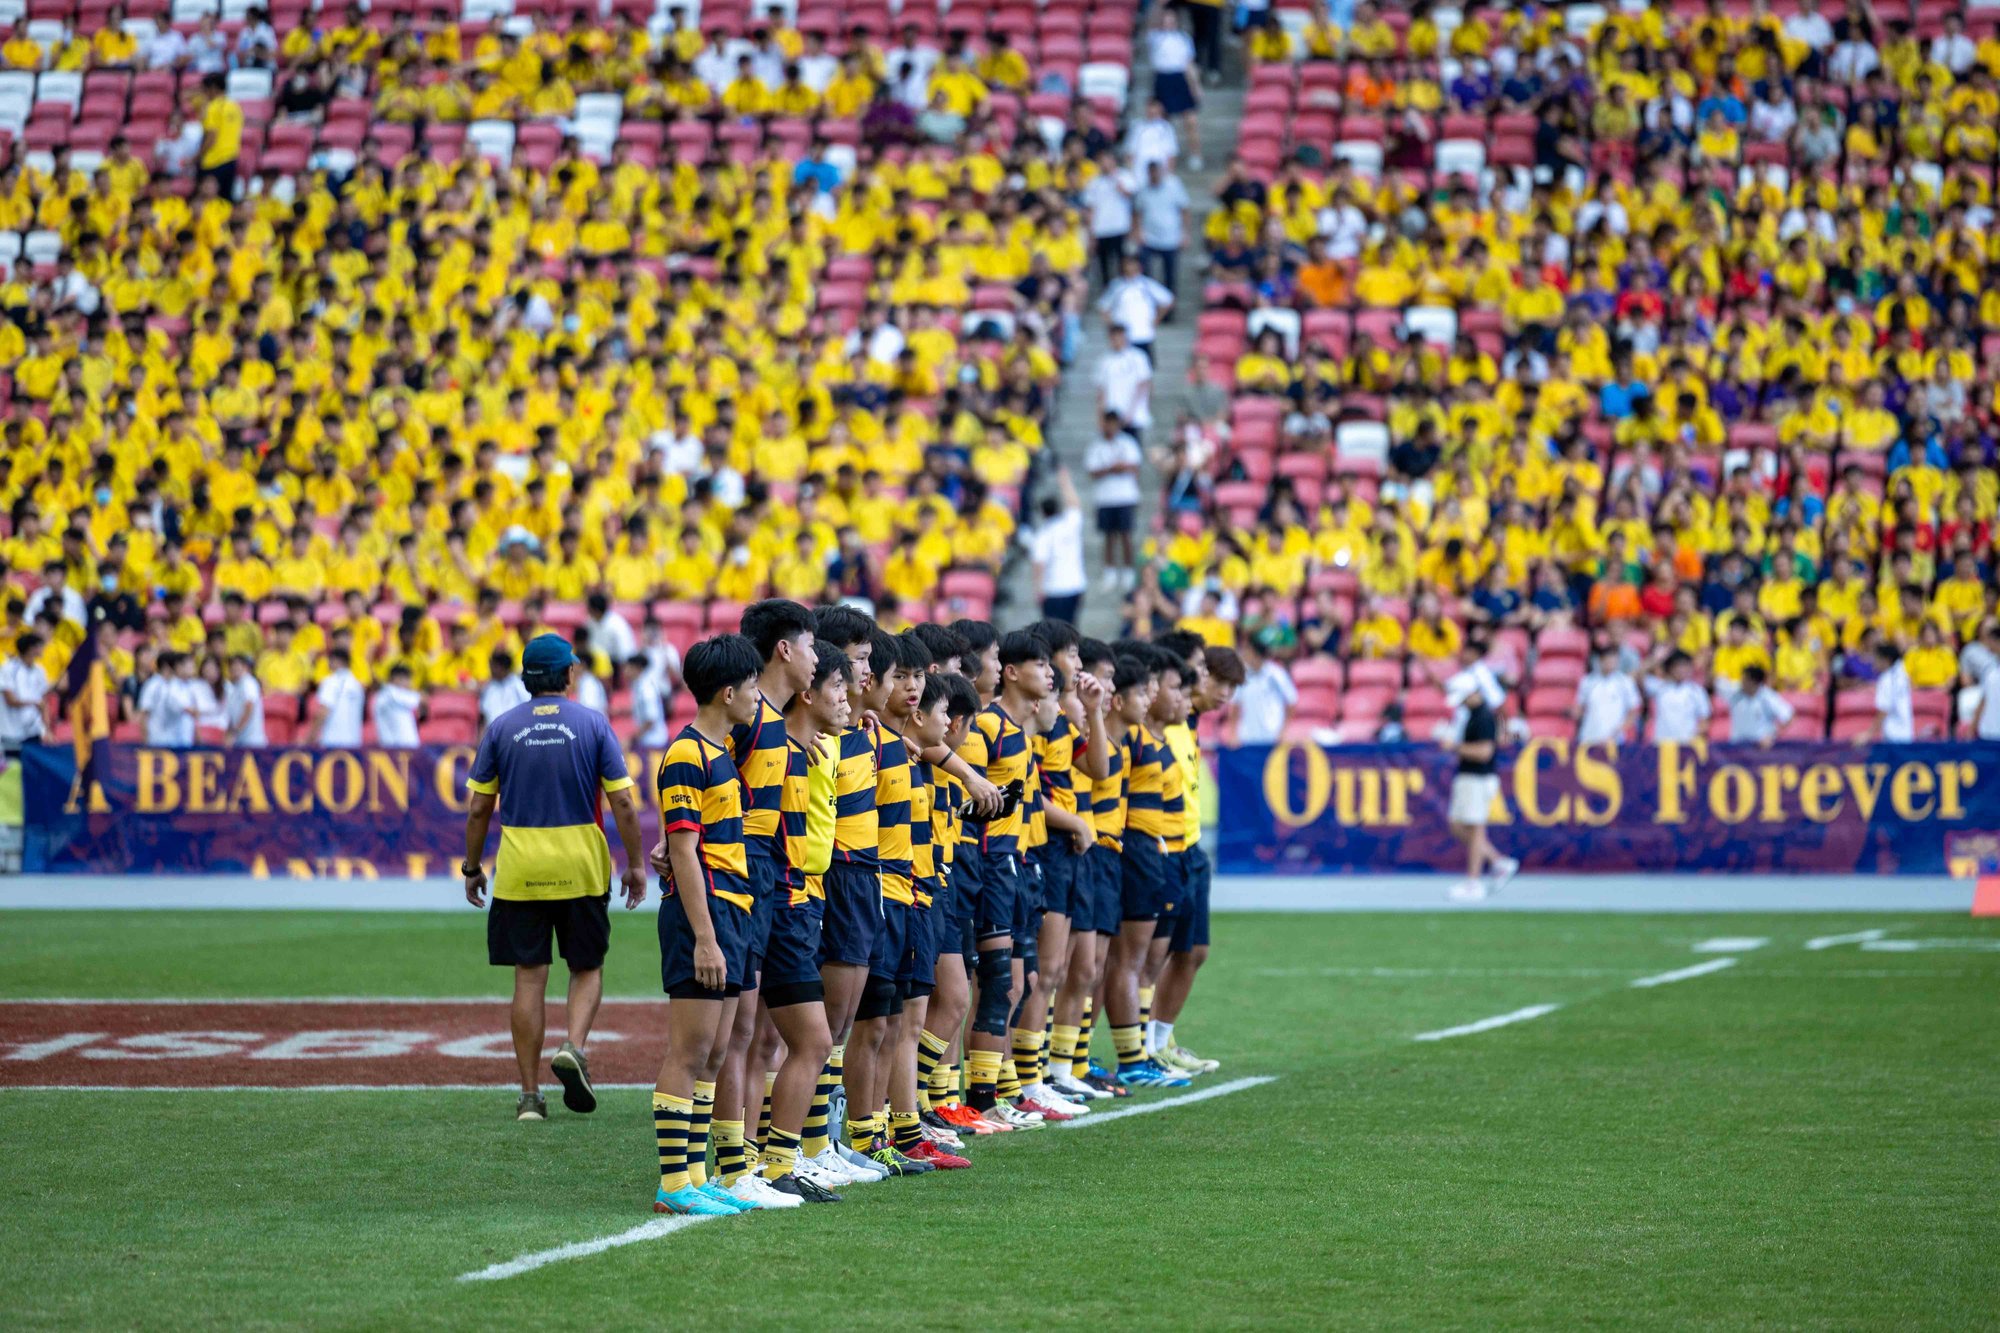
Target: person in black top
1476	787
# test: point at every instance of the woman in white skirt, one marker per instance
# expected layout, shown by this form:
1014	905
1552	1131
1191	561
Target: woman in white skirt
1170	51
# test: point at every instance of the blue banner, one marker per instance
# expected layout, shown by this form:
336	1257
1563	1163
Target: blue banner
1794	808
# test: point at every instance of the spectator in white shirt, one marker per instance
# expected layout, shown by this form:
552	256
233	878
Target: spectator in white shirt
397	709
1757	713
610	630
167	701
1152	140
208	49
1895	704
243	706
24	684
55	588
1810	27
587	689
167	49
1606	701
1108	200
1125	382
1057	552
1952	48
651	691
1265	699
1163	206
1113	461
337	705
503	690
1680	704
1137	304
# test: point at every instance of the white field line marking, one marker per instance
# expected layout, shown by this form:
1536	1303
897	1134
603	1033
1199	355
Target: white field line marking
1488	1024
1852	937
1168	1103
528	1263
1966	945
1731	944
302	1087
667	1226
298	999
1420	972
1683	973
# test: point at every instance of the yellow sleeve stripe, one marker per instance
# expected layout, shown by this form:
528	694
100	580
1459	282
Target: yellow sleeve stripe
490	788
616	784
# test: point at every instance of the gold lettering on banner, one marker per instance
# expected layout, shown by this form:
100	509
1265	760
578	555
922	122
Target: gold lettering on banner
339	782
388	780
1528	782
1677	762
204	783
448	777
159	786
1732	794
1597	775
247	795
293	766
1910	792
1821	794
1953	777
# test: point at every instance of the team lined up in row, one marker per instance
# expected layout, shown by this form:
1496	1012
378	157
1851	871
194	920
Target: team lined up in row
885	855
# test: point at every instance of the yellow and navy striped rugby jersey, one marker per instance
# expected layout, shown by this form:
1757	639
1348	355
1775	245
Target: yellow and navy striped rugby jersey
1145	798
855	828
1173	798
795	810
1107	795
892	814
1056	753
1036	832
947	798
550	760
1186	747
997	749
701	792
923	852
759	751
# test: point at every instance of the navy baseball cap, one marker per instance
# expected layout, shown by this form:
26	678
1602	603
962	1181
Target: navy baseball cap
547	653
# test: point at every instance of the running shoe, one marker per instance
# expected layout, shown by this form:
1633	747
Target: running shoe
1043	1095
821	1173
687	1201
895	1163
805	1191
714	1190
1146	1074
574	1071
1468	891
1073	1089
938	1157
831	1163
1105	1081
754	1191
1042	1109
1504	870
1169	1059
813	1180
531	1107
943	1138
860	1162
1190	1061
962	1117
1014	1117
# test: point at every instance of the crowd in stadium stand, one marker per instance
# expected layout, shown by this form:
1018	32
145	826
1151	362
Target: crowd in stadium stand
396	334
1646	345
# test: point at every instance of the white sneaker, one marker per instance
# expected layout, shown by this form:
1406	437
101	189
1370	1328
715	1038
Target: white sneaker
831	1163
1503	872
1013	1117
1468	891
1111	580
863	1169
753	1188
1072	1089
1044	1095
808	1169
943	1138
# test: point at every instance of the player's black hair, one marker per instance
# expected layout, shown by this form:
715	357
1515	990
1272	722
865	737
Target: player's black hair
1061	681
942	643
977	635
713	665
881	651
911	655
1224	665
1057	634
829	662
841	626
1182	643
770	622
1138	648
1092	651
964	700
1130	672
1019	647
935	692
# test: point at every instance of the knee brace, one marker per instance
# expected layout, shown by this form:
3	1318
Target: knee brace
878	999
996	977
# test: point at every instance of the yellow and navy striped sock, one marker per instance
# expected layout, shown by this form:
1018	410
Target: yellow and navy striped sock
944	1083
1008	1087
1082	1066
861	1130
764	1116
983	1071
1131	1050
1042	1056
780	1156
731	1156
930	1049
670	1131
815	1139
704	1111
1145	1006
1026	1042
1062	1048
907	1128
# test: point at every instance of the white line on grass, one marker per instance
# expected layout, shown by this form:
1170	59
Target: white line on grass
1169	1103
528	1263
1422	972
1683	973
1731	944
1852	937
1488	1024
1968	944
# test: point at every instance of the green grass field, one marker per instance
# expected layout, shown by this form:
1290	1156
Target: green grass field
1805	1139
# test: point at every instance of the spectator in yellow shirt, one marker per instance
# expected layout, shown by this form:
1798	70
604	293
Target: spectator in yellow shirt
221	137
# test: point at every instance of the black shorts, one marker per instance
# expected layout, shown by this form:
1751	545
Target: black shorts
1191	926
1028	907
791	955
1117	518
1142	886
764	884
1105	871
732	934
518	930
997	894
920	953
1173	901
1061	870
853	913
892	941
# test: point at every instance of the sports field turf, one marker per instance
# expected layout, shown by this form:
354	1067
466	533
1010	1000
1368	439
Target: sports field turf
1806	1137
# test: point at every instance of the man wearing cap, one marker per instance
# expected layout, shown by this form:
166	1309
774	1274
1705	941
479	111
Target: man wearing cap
546	765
